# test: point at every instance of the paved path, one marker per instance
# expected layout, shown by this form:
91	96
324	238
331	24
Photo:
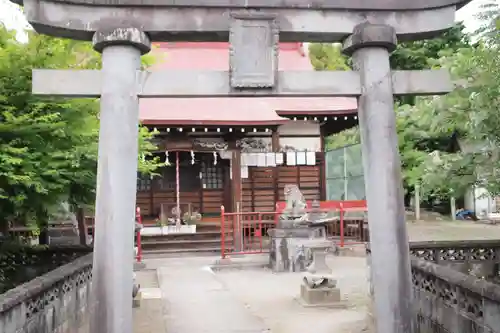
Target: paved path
197	302
182	295
149	317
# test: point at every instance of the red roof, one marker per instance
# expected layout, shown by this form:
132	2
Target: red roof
231	111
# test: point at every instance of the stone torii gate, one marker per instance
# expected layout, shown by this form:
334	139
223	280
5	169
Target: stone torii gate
123	30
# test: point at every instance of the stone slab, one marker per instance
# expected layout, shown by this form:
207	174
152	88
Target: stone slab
148	318
279	4
138	266
245	262
136	302
192	83
196	301
211	24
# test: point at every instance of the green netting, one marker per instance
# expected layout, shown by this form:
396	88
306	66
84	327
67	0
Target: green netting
344	174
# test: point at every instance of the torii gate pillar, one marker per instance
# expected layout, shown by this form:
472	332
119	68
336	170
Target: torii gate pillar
369	46
112	277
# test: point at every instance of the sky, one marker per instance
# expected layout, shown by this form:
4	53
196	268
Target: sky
11	15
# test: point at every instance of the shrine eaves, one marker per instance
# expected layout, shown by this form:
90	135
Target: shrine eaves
209	20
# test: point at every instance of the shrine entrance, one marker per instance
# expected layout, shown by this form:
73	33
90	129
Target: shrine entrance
122	31
193	182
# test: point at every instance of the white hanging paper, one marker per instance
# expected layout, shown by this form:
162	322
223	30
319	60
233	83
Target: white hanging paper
270	159
252	159
244	159
311	158
244	172
291	158
301	158
279	158
225	154
261	159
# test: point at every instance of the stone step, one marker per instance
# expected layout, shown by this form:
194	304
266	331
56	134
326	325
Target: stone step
178	252
207	226
174	236
183	244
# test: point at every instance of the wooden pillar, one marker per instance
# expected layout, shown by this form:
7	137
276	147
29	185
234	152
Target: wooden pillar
236	178
275	146
82	227
275	140
322	165
228	200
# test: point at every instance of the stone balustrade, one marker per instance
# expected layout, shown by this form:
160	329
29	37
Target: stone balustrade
57	301
453	286
446	300
22	263
480	258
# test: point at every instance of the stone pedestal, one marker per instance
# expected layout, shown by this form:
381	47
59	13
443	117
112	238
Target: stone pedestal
320	297
289	250
319	287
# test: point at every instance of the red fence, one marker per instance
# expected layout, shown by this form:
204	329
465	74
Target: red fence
246	232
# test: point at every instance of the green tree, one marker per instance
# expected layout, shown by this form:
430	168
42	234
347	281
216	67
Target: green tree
328	57
48	146
471	111
415	138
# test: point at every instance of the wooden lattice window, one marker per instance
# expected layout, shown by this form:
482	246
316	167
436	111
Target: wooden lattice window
213	177
143	183
166	181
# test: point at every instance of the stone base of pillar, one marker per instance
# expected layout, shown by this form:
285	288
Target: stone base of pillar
136	302
139	266
321	297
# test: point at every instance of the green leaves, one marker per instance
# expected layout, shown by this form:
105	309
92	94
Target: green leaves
428	126
48	146
326	56
471	113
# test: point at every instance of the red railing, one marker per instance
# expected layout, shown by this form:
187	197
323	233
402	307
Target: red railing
246	232
138	218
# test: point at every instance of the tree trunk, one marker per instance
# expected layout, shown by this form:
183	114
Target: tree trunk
43	237
82	227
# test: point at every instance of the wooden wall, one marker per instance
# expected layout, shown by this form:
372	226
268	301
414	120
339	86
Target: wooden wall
150	201
261	190
265	186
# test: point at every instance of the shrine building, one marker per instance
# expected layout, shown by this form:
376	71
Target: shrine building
237	152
